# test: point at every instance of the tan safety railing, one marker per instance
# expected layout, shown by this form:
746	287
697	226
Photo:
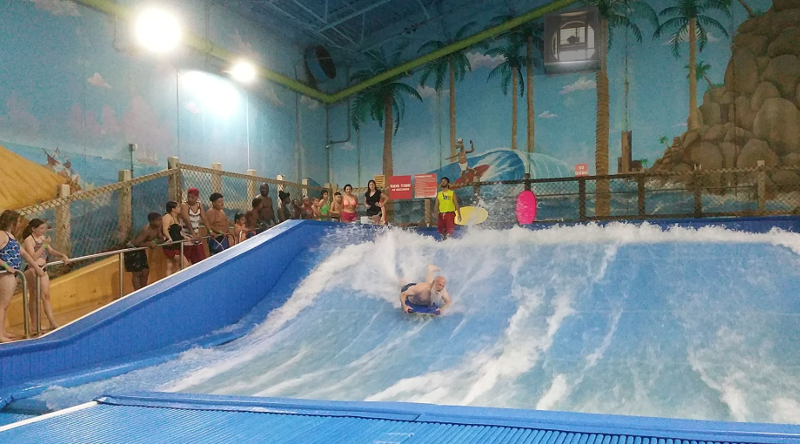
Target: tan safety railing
121	253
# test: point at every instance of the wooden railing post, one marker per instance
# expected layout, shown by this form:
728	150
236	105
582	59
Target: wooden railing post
216	178
125	209
175	182
252	188
698	192
63	223
762	187
427	212
641	194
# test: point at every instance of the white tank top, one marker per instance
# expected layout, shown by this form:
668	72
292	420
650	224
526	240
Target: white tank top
194	219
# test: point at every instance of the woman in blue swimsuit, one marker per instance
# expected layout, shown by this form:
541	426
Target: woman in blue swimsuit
11	256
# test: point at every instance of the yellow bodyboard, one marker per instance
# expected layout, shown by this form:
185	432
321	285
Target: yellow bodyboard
472	215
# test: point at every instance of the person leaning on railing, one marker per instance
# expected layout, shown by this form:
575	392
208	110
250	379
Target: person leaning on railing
218	225
11	256
173	232
36	243
136	261
193	214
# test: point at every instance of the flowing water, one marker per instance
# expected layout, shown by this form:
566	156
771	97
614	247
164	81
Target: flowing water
621	319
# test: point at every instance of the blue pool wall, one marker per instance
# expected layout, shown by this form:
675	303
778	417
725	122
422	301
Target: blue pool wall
215	293
180	310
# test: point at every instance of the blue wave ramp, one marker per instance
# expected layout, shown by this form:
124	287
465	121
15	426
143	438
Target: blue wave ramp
167	418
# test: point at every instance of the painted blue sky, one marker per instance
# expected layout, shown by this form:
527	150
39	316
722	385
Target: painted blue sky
69	83
565	107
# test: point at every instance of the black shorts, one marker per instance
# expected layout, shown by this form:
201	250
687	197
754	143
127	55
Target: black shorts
373	211
136	261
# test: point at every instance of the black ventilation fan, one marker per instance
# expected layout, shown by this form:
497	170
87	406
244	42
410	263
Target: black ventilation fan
319	64
569	44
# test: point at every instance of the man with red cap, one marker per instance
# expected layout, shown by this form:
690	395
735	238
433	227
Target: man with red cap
192	214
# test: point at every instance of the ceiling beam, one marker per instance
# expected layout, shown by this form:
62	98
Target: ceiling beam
355	14
209	48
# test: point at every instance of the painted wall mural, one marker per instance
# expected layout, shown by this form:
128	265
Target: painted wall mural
686	96
75	92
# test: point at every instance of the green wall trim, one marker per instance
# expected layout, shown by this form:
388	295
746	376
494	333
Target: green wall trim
208	47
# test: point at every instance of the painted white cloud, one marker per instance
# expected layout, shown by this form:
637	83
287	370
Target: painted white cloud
680	125
548	115
427	92
712	37
581	84
57	7
478	60
347	146
272	97
98	81
193	108
309	102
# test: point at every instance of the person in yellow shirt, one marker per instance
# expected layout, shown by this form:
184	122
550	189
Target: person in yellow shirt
448	208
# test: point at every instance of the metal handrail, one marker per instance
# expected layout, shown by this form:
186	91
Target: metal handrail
120	253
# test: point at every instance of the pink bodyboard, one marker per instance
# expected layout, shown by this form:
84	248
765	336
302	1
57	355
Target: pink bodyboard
526	207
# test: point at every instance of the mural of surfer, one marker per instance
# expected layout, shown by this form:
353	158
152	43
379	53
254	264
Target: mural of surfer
462	155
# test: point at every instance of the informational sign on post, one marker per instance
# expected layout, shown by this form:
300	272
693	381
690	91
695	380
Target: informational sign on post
581	169
425	186
380	180
400	187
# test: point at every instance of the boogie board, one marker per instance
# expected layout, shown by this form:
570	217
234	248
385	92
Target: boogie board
472	215
526	207
423	309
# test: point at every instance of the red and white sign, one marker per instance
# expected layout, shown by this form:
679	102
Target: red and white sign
400	187
581	169
425	186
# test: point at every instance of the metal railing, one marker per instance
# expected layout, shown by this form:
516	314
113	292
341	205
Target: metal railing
760	191
121	283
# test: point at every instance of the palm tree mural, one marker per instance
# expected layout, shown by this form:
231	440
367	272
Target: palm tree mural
456	64
531	34
383	103
664	140
688	21
613	14
510	77
701	72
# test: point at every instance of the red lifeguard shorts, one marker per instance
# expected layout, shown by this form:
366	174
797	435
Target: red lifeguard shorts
447	223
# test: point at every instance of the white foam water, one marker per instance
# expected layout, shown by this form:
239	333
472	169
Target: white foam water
618	319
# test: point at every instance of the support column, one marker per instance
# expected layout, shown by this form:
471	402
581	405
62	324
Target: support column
282	178
216	178
175	181
63	225
252	188
125	208
762	187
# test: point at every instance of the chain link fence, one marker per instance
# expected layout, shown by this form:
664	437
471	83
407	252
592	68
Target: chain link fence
102	219
757	191
239	190
106	218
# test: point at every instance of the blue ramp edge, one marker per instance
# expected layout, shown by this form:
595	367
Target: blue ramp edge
182	308
170	417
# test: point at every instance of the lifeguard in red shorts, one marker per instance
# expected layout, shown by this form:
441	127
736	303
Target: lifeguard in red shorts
447	207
